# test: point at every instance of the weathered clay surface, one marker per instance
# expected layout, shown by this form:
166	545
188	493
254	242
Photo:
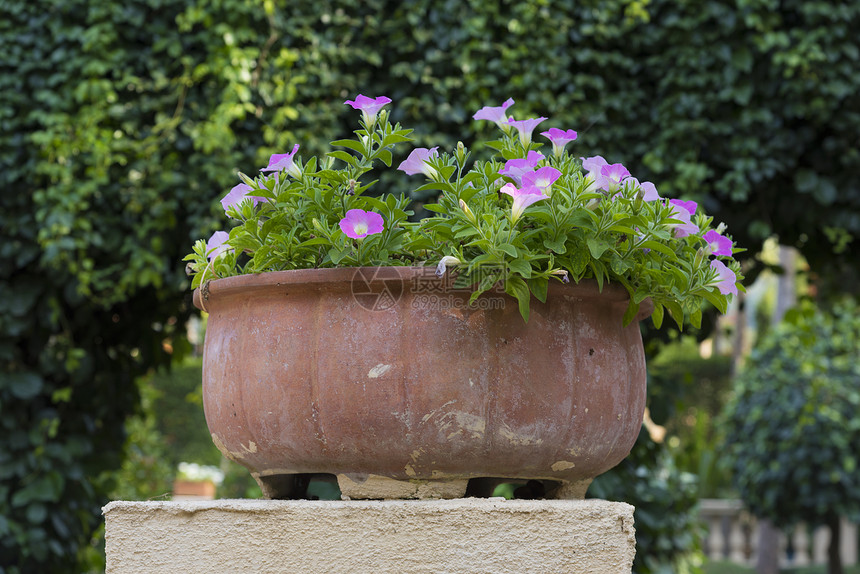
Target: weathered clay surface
326	371
420	537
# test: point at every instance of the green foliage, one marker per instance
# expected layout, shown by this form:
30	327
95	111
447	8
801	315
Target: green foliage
586	226
177	409
93	165
668	532
147	471
686	394
680	377
792	430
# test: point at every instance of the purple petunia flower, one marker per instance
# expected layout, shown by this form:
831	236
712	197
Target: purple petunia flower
717	244
612	176
358	223
559	139
516	168
542	178
369	107
648	191
237	194
604	175
525	128
593	165
690	206
726	278
683	210
496	115
417	162
215	246
284	161
523	197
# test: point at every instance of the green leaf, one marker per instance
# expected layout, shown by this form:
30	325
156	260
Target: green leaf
696	318
516	287
434	207
24	386
597	246
538	286
579	261
676	312
509	249
619	266
657	315
716	299
657	246
522	267
385	157
557	245
338	255
630	313
351	144
344	157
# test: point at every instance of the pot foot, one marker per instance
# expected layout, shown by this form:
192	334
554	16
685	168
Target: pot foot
574	490
284	486
373	487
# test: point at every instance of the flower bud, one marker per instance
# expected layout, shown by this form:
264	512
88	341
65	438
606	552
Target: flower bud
460	154
467	211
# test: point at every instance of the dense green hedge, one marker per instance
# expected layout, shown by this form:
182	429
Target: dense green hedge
122	123
793	431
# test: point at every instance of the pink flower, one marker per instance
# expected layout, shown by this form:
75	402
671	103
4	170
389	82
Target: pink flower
417	162
717	244
496	115
612	176
647	190
593	165
683	210
559	139
525	128
690	206
726	278
369	107
542	178
284	161
523	198
604	175
358	223
516	168
215	246
237	194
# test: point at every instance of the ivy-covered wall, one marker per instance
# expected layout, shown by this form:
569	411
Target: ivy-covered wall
123	123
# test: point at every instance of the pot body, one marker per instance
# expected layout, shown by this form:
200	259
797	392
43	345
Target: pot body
389	372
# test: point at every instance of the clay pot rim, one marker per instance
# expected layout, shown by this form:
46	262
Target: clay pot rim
330	277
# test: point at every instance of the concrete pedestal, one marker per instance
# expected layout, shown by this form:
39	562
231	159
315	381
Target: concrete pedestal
423	536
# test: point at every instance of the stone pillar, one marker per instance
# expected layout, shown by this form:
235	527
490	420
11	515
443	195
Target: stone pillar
417	536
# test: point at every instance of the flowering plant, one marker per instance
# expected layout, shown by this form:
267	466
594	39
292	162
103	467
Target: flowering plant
519	220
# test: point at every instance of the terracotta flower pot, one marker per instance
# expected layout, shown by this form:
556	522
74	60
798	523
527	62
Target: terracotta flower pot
193	489
374	374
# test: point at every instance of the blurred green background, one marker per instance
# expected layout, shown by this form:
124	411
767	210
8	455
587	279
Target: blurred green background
123	124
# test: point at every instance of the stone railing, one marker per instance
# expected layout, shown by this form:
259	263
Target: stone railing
732	534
